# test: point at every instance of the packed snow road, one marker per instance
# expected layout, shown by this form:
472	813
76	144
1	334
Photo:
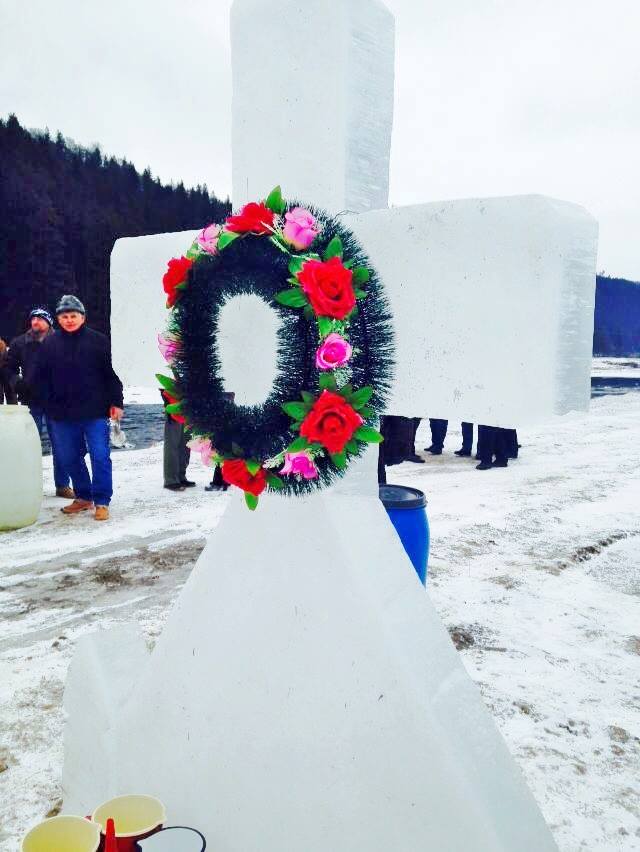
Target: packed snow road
534	569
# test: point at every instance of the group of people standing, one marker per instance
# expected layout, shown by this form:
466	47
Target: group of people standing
495	445
66	378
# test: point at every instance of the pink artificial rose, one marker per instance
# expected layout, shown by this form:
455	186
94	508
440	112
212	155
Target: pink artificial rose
333	352
299	463
299	230
207	239
202	446
168	347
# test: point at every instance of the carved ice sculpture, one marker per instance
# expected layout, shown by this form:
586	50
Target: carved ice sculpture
303	694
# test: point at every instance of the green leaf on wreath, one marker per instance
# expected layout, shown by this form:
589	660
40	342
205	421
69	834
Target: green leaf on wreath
226	238
291	298
296	263
173	408
181	286
346	391
325	326
308	313
352	446
361	397
360	275
193	252
348	263
308	397
368	434
298	445
168	384
253	466
297	410
274	201
295	427
327	381
275	482
360	294
334	249
367	412
251	500
277	242
339	459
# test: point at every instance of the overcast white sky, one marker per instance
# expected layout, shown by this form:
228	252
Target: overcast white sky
493	97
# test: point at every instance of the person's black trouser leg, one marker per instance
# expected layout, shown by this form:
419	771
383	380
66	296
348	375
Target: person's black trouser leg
438	432
467	437
174	455
486	443
501	446
512	443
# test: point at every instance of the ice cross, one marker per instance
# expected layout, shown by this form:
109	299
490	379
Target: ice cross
304	694
492	298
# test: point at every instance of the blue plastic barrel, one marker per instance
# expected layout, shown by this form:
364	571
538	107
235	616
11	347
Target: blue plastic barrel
406	508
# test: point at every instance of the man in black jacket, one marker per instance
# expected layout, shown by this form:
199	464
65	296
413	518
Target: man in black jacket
80	391
24	356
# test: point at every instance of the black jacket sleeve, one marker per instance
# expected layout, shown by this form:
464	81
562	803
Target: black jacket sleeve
111	380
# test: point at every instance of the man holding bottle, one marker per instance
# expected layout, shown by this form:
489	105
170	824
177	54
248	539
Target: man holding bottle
80	392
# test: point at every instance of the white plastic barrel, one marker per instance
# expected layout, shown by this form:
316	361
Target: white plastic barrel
20	468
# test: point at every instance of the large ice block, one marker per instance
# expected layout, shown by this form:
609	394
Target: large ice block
493	305
492	301
304	695
138	304
312	101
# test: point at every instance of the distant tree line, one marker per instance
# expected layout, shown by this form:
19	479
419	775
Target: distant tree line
617	317
62	207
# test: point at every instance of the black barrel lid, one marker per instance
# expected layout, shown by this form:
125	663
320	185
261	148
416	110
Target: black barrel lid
401	497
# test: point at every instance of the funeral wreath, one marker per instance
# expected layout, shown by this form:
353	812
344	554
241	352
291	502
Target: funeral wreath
335	347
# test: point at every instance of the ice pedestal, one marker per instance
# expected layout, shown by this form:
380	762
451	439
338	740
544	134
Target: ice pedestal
304	695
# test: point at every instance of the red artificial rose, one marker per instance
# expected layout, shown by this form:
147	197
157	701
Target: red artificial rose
169	400
177	270
254	218
329	287
331	422
236	472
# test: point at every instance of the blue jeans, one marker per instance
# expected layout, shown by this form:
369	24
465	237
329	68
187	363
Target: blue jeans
60	474
73	438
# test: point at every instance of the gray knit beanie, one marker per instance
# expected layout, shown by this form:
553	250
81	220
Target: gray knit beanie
69	303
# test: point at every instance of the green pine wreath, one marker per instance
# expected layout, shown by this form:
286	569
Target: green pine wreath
335	347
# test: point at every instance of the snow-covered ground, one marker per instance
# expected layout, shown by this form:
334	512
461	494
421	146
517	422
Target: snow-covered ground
624	368
534	569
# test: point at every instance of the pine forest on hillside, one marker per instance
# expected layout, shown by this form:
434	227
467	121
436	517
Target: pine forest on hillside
61	209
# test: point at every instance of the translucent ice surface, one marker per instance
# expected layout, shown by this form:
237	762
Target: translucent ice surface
493	305
304	695
138	311
312	101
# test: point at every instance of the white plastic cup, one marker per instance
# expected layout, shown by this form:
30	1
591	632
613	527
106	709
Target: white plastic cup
63	834
135	817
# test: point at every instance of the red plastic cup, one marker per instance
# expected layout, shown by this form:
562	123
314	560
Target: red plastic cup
135	817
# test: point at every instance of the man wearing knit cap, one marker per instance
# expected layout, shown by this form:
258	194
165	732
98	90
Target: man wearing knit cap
81	392
25	353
